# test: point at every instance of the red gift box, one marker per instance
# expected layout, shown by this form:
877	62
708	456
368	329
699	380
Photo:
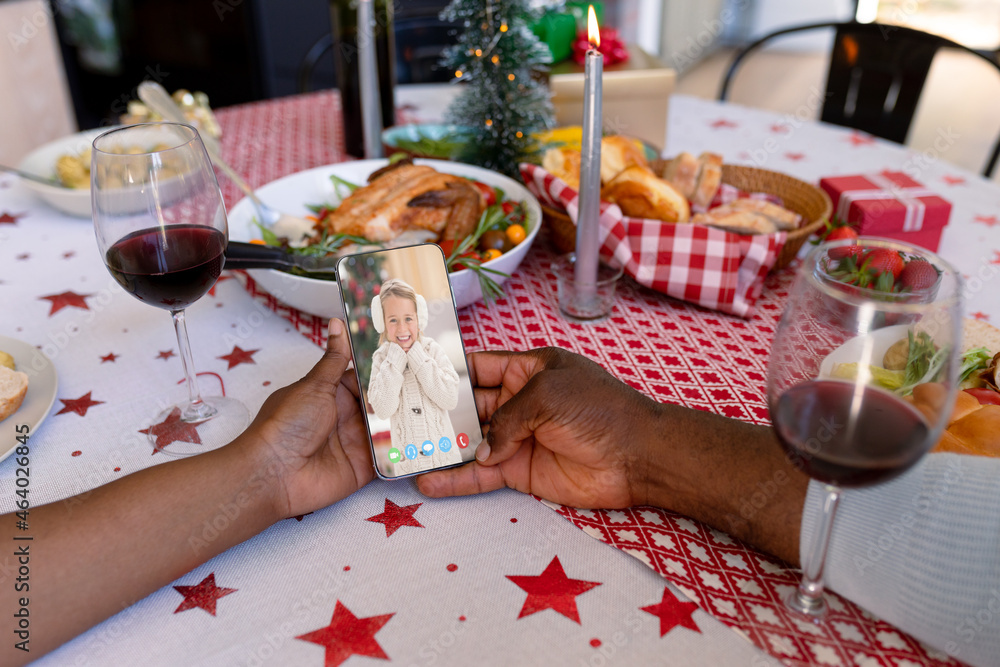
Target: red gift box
889	204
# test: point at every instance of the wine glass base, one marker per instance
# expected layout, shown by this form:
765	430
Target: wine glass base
813	609
174	434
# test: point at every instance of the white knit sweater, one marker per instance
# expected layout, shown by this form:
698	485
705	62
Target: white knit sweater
923	552
415	390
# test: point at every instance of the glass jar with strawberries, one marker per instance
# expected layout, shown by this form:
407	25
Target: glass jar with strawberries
881	265
880	269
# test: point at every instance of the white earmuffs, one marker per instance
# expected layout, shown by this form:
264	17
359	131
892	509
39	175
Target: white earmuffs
379	320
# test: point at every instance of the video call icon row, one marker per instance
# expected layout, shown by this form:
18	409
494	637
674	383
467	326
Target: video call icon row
411	451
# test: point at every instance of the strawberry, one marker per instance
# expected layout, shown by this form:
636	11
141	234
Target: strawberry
883	260
840	234
917	275
874	268
843	252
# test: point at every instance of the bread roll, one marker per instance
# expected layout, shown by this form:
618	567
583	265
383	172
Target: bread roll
782	218
682	172
965	404
563	163
979	431
734	220
642	194
13	387
618	153
972	428
709	179
951	443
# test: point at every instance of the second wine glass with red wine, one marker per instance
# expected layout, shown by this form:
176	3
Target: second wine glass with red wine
161	229
862	375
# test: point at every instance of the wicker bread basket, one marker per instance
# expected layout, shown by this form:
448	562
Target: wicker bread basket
809	201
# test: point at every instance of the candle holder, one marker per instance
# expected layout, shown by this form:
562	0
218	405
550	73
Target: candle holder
585	301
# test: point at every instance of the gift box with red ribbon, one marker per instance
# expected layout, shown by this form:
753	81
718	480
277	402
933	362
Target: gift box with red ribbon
889	204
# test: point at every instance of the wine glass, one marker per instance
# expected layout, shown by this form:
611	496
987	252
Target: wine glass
161	229
840	414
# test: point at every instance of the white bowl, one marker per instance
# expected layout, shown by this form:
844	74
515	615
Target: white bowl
292	193
42	161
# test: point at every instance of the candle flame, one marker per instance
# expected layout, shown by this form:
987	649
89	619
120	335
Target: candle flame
593	31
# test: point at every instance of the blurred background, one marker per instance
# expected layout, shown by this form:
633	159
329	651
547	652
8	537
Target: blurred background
74	64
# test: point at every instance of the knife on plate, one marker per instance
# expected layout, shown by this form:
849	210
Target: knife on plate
241	255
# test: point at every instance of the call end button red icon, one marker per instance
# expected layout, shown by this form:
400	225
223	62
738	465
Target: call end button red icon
463	440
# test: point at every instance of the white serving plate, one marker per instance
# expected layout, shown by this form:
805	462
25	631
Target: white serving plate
42	385
42	161
292	193
868	349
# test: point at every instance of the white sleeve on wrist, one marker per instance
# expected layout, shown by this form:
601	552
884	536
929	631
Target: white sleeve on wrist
922	552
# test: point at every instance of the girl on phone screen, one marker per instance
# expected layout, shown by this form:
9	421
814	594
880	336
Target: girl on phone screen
413	384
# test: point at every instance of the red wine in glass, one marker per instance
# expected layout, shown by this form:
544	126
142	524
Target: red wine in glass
845	431
169	267
161	228
843	434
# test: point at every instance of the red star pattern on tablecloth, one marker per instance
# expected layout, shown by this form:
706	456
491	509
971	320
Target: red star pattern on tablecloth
165	354
860	139
348	635
78	405
211	290
953	180
996	257
110	356
722	123
552	589
172	429
8	218
69	254
673	612
395	517
780	128
66	299
795	157
239	356
204	595
988	220
980	316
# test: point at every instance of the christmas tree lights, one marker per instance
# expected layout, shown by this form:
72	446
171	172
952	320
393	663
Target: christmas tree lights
497	60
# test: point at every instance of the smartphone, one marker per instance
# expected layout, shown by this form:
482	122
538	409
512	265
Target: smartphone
410	360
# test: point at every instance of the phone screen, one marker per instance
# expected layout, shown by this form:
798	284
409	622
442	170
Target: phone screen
410	360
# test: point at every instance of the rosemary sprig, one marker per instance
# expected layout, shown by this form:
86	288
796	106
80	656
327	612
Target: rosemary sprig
339	183
331	243
490	288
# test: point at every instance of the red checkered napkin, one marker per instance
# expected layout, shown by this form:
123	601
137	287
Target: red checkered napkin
703	265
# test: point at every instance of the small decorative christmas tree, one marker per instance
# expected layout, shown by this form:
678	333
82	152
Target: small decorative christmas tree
496	59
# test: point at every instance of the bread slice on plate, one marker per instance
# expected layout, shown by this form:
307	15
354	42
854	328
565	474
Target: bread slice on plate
13	387
976	333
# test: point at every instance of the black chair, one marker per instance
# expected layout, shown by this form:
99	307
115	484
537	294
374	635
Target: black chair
877	73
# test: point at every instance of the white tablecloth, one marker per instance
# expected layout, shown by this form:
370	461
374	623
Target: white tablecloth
452	582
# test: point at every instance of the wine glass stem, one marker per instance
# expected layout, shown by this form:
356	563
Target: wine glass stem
196	409
809	596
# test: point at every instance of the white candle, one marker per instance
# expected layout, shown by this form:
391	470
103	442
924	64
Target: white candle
587	222
371	103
